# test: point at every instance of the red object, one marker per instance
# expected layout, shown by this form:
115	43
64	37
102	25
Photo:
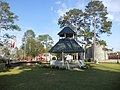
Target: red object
13	44
42	59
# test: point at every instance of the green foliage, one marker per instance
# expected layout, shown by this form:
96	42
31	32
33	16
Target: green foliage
2	67
94	17
29	34
31	47
76	19
102	42
6	38
15	55
7	22
29	43
34	46
6	51
96	13
21	53
72	18
7	17
87	60
40	48
87	36
46	40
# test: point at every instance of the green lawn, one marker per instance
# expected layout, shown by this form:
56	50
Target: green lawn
98	77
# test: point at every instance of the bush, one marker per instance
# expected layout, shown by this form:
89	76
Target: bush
2	67
89	60
1	61
86	60
92	60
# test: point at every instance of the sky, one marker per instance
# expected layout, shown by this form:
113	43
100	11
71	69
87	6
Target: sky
42	16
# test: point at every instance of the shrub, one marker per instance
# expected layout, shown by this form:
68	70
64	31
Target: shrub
2	66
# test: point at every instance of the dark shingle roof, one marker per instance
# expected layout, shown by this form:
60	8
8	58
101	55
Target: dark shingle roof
66	30
66	45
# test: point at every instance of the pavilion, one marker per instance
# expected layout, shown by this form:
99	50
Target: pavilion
66	43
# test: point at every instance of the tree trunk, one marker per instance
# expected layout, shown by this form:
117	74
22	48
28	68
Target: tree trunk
94	56
0	23
77	42
76	38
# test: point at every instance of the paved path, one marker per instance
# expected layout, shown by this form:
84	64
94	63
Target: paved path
112	60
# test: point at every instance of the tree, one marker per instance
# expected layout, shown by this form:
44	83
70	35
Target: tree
6	40
29	34
72	18
7	18
29	43
34	46
39	47
14	54
46	40
7	22
96	13
6	43
6	52
75	19
21	54
31	47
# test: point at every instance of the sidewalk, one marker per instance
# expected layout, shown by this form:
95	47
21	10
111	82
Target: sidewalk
111	60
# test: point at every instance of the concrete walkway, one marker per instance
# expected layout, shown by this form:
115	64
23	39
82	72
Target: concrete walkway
111	60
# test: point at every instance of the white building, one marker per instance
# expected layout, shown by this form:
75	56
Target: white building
100	53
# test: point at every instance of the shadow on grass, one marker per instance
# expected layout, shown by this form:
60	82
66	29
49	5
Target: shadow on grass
41	78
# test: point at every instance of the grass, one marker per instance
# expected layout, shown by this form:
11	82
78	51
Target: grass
104	76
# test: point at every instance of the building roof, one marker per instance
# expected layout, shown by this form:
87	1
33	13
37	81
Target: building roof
67	46
67	30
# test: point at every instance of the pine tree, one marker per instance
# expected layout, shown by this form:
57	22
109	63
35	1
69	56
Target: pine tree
96	13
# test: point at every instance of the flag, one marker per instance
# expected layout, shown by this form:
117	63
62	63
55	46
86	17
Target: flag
14	42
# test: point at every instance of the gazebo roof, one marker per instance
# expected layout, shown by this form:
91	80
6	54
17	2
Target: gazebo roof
67	30
67	46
